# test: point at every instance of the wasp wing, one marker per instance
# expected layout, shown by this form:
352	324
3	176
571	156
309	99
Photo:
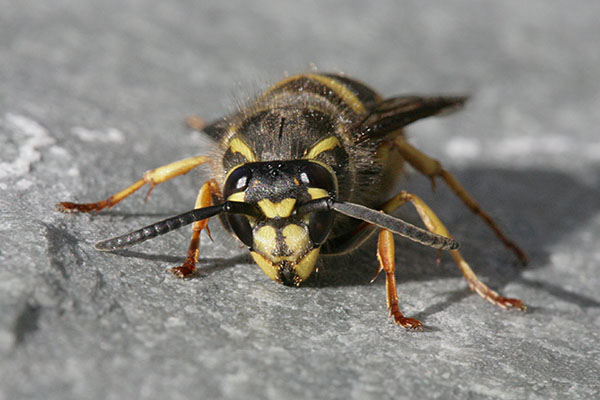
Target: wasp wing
396	112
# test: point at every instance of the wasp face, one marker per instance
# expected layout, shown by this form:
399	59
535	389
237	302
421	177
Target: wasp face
283	243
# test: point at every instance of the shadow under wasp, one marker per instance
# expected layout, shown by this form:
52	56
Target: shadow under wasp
308	168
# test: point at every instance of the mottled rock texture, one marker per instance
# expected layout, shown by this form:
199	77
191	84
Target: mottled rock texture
93	93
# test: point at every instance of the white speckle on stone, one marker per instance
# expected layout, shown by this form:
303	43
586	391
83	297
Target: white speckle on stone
174	322
110	135
23	184
533	145
591	151
59	151
66	158
37	137
73	171
461	147
26	125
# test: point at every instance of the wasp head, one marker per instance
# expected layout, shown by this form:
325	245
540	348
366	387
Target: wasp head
282	241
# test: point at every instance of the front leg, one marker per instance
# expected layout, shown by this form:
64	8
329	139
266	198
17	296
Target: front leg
152	178
204	199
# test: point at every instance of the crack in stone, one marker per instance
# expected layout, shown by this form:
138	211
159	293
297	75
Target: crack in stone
59	240
74	287
27	322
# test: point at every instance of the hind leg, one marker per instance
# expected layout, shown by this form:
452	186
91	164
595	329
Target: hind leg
433	169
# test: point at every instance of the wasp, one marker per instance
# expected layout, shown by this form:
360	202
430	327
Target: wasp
309	168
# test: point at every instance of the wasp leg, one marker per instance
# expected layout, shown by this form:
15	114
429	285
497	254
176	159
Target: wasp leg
195	122
204	199
386	257
152	178
433	168
433	223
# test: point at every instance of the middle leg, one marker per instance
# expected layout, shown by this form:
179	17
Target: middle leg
386	257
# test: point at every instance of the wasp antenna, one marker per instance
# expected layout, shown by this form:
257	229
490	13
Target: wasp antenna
395	225
318	205
170	224
158	228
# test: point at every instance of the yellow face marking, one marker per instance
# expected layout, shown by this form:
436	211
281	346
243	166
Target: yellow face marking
237	145
341	91
303	269
296	239
317	193
329	143
265	240
268	268
239	196
307	265
282	209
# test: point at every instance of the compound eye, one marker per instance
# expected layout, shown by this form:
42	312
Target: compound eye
317	176
241	227
319	226
237	181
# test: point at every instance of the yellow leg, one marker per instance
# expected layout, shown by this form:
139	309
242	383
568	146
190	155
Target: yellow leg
196	123
152	178
386	257
433	223
433	168
204	199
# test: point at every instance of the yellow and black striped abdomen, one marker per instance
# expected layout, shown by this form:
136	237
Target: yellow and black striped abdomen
349	95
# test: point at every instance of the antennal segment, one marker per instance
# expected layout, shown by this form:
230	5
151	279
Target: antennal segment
170	224
395	225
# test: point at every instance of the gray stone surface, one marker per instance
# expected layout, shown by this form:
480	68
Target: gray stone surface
93	93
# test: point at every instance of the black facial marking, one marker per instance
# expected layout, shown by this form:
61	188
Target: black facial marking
281	127
286	273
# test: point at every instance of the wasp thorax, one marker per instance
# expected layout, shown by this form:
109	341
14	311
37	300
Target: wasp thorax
283	243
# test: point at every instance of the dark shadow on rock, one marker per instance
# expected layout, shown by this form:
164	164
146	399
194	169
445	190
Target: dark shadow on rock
453	297
561	293
26	322
62	249
69	272
205	266
536	208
